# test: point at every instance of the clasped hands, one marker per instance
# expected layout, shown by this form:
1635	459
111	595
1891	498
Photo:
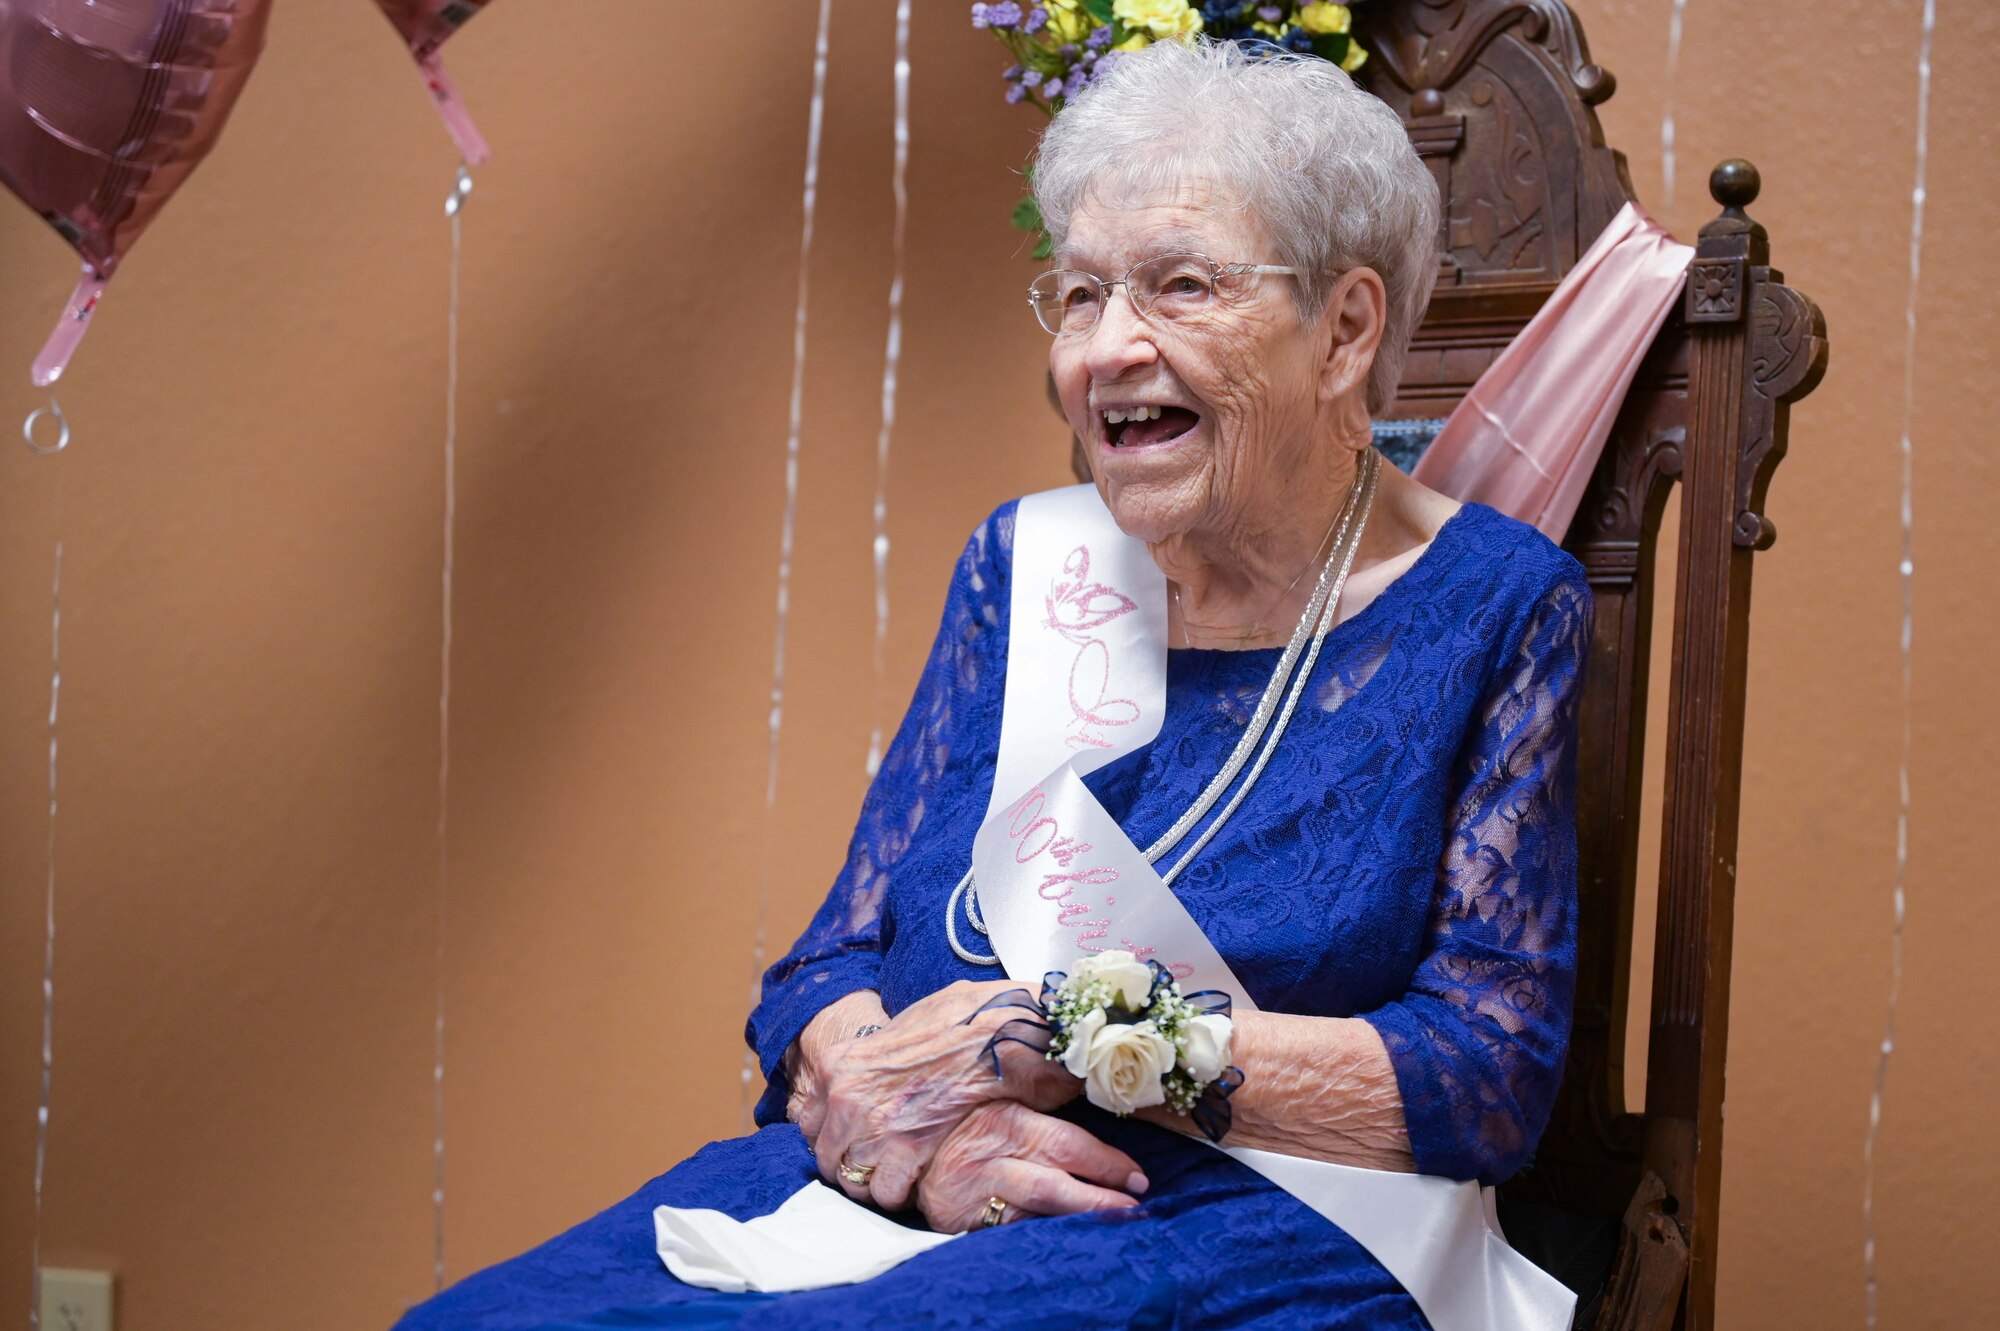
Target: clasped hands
915	1115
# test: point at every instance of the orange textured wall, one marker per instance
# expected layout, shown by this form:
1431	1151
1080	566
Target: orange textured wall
251	525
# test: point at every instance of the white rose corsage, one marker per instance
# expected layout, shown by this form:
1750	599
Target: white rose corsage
1125	1028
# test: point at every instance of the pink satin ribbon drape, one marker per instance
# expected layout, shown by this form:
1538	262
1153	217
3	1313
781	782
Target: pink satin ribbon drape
1528	434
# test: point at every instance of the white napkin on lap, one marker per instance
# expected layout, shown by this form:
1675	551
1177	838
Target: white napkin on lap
816	1239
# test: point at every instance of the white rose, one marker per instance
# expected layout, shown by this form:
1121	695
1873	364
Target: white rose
1124	1065
1206	1045
1131	979
1082	1032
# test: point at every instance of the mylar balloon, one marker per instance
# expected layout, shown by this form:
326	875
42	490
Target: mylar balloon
425	25
106	106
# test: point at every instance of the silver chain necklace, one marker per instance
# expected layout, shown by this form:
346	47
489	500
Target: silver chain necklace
1257	625
1317	621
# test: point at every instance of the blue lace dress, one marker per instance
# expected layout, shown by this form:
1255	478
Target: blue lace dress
1408	857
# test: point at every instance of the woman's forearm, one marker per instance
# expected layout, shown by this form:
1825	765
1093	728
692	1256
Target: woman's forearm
1320	1087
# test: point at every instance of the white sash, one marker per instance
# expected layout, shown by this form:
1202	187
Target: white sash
1086	683
1056	877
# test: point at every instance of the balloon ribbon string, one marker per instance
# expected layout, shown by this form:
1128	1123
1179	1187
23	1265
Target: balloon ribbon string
787	534
454	206
892	356
49	895
1674	27
1906	570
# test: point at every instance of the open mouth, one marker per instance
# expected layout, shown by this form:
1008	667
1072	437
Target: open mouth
1143	426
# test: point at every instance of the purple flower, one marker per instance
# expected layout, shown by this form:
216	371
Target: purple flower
1012	73
1005	14
1067	50
1269	13
1015	93
1037	19
1099	38
1052	86
1077	81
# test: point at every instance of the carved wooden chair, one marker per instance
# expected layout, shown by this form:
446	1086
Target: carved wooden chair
1498	98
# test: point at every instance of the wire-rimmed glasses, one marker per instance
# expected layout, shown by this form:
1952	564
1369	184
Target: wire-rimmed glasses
1166	288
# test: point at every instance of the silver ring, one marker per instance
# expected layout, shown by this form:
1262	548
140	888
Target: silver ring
55	412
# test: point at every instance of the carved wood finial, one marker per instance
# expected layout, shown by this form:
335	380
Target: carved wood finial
1735	185
1732	290
1731	244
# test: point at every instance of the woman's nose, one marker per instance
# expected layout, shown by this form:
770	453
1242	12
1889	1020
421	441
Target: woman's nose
1120	339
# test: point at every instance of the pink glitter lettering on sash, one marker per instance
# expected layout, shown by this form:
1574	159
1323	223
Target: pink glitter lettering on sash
1037	836
1076	607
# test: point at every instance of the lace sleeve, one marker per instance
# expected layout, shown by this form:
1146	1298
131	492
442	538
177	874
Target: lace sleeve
1478	1041
840	951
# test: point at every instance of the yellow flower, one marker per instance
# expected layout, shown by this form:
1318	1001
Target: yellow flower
1355	57
1159	18
1067	21
1323	19
1138	41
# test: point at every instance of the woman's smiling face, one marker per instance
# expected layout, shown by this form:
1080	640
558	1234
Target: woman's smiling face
1238	387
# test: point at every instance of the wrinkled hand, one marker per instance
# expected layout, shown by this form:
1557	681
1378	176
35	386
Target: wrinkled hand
1027	1159
842	1020
888	1101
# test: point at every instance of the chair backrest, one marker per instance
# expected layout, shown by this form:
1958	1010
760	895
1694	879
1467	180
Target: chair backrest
1498	96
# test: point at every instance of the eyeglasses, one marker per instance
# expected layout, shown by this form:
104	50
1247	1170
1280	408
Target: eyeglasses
1167	288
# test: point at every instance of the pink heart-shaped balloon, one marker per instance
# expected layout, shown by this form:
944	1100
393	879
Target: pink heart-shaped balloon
106	107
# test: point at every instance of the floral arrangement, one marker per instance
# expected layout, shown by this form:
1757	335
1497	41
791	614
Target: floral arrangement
1061	46
1123	1026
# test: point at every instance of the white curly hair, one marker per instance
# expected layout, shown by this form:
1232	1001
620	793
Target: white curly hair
1325	166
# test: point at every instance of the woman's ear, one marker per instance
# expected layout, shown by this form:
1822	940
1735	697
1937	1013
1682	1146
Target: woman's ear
1352	323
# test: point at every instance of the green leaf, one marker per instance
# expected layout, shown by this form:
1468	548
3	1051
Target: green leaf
1027	215
1331	46
1099	10
1045	247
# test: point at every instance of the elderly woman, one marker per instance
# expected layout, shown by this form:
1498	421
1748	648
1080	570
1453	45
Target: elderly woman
1242	250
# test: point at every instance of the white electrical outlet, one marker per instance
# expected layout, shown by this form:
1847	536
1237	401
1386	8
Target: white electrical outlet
75	1300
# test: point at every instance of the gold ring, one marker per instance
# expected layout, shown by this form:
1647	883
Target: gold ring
852	1172
996	1208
